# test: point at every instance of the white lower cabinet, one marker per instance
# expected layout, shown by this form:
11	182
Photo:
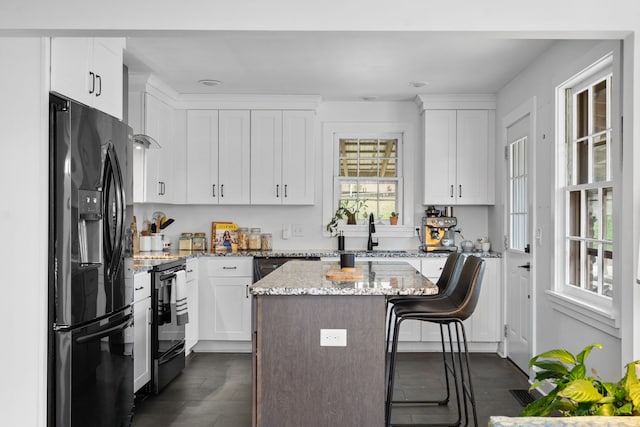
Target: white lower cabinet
193	305
224	298
141	330
484	325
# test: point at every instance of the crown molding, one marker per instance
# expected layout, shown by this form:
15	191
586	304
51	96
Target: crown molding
481	101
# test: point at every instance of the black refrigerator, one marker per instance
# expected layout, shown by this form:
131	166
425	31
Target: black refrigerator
90	350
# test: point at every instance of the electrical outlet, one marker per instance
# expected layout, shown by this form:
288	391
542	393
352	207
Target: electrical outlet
333	337
286	231
298	230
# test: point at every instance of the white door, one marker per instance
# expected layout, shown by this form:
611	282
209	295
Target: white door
519	221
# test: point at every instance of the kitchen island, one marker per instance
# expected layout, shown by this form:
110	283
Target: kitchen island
301	381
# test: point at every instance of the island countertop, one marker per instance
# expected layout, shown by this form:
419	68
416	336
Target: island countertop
309	278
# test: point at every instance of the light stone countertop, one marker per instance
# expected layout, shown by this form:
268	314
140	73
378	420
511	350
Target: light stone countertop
145	261
309	278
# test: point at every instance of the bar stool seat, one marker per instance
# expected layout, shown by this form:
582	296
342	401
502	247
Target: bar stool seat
449	310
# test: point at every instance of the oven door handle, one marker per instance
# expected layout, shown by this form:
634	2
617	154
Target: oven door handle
106	330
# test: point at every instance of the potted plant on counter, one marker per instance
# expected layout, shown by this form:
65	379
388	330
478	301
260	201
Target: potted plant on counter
393	219
348	209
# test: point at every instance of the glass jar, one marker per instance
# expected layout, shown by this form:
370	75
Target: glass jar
254	239
199	242
243	238
186	242
265	241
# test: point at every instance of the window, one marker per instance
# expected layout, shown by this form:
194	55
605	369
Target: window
588	188
368	171
518	186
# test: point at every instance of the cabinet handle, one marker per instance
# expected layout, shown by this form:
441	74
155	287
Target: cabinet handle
277	190
150	316
93	82
99	91
229	268
451	191
460	190
285	190
213	190
222	190
161	188
137	289
189	271
246	291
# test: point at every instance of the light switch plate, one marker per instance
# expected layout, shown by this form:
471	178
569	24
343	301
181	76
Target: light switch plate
333	337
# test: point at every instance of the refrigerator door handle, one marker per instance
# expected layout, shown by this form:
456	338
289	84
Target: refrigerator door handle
112	171
106	330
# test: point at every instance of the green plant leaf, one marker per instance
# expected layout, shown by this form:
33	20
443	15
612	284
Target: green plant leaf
578	372
607	410
631	384
539	407
561	355
626	409
552	366
581	391
584	353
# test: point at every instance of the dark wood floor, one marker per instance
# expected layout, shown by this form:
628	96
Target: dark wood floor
215	391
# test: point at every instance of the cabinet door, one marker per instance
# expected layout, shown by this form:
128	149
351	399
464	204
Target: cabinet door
432	269
107	66
234	157
266	158
158	123
486	320
475	158
70	68
298	160
192	327
440	157
225	309
202	157
142	343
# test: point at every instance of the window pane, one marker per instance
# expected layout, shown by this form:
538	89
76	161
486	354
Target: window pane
348	148
574	263
607	271
582	162
368	167
349	167
388	168
600	158
607	213
600	106
593	208
592	267
582	114
575	206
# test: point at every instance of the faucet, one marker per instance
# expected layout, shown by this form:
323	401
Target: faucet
372	229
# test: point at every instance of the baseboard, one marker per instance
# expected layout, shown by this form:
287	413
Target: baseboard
223	347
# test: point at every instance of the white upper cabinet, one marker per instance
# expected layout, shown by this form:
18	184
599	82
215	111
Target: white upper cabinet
282	161
459	147
218	157
89	70
160	180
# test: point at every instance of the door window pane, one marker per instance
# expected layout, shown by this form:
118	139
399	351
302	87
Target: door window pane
582	162
592	267
575	209
582	114
600	106
574	263
607	213
600	158
593	209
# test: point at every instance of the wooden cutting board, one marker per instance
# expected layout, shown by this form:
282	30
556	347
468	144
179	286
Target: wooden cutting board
335	273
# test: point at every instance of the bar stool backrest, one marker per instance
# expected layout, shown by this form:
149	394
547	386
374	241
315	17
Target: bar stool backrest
450	273
466	292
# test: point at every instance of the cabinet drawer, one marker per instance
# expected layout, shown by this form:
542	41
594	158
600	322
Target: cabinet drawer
141	286
192	269
227	267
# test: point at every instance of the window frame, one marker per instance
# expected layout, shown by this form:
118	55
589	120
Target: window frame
408	162
399	178
581	301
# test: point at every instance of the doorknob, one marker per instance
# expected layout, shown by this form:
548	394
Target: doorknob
526	266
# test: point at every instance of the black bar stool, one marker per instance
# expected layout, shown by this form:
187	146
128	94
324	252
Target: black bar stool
446	282
451	309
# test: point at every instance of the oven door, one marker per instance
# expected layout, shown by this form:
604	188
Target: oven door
94	373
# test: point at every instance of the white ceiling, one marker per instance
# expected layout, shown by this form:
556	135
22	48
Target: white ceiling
334	65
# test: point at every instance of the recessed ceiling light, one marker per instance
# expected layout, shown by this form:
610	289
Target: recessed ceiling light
369	98
209	82
418	84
